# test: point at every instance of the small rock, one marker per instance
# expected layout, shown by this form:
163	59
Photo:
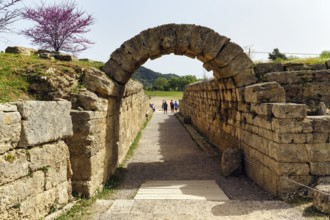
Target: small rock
231	162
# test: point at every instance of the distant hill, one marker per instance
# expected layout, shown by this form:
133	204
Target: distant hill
148	77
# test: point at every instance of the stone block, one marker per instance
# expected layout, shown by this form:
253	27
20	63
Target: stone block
43	122
183	33
198	38
285	78
125	60
15	192
116	72
231	163
168	38
289	110
137	49
261	69
295	169
317	138
288	153
10	128
292	125
321	123
288	138
8	107
96	81
151	39
48	155
20	50
241	64
90	101
227	54
57	174
320	168
88	188
264	92
271	179
261	109
214	43
318	152
65	57
13	165
245	78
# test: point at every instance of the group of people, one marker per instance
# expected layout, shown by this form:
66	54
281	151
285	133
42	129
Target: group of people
173	105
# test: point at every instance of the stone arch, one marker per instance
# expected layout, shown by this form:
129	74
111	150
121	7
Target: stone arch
225	58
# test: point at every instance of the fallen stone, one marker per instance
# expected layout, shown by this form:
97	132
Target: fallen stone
20	50
321	201
231	162
90	101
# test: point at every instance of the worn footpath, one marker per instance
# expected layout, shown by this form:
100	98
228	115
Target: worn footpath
166	151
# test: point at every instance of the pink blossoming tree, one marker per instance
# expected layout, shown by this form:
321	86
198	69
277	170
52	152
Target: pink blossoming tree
7	14
59	27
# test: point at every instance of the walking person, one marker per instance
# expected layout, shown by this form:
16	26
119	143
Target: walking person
172	106
164	107
176	106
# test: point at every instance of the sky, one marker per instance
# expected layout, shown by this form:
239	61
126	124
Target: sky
293	26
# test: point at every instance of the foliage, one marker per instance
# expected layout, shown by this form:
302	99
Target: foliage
276	55
8	16
176	94
161	83
59	26
325	54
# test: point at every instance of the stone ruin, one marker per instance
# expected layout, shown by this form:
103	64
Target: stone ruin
273	115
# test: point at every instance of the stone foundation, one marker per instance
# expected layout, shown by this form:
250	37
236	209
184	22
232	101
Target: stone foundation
35	170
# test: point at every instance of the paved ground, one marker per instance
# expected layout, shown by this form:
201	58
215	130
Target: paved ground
166	151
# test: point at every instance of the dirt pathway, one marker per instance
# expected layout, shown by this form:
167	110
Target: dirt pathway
167	152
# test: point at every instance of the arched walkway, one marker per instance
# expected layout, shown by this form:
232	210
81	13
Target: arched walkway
224	58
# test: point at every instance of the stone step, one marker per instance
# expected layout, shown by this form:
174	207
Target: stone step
199	209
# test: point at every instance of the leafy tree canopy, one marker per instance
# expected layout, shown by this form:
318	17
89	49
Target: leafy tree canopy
277	55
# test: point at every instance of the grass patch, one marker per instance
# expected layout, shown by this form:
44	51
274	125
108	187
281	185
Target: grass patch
17	71
177	94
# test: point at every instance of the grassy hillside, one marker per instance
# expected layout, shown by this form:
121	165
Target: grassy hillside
17	72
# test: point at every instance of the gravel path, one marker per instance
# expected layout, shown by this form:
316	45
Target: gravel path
166	151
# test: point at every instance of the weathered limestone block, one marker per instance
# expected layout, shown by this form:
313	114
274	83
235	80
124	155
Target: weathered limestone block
13	165
284	78
124	59
287	138
231	163
241	64
90	101
321	123
183	33
317	138
88	188
116	72
58	174
295	169
227	54
264	92
288	153
198	38
48	155
262	108
213	45
10	127
320	168
292	125
168	38
261	69
318	152
43	122
20	50
65	57
321	201
15	192
136	47
132	87
96	81
151	40
289	110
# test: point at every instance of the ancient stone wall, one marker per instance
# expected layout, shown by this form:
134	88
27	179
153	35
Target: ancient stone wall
106	121
279	142
35	170
307	84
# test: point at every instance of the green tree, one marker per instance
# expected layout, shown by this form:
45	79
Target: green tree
277	55
161	83
325	54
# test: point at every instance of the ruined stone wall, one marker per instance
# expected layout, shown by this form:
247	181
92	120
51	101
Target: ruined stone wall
35	170
307	84
278	140
106	121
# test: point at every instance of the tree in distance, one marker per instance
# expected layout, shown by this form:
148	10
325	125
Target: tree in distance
8	16
59	27
277	55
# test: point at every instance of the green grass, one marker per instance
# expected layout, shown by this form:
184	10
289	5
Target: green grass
305	60
178	94
17	71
